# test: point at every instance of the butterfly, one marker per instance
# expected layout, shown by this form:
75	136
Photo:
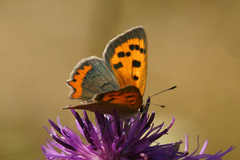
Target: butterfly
116	81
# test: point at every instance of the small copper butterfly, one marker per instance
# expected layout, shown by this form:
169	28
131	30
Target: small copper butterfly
116	81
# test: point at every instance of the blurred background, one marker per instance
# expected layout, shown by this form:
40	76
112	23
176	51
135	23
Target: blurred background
192	44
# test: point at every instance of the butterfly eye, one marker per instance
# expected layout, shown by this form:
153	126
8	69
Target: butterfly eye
141	109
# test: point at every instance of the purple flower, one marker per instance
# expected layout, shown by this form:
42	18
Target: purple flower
113	139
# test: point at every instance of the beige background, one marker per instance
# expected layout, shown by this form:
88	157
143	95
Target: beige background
192	44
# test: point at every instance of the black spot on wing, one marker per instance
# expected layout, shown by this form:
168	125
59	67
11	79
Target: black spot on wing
136	63
131	101
118	65
137	47
110	100
129	96
131	47
128	54
121	54
105	84
135	78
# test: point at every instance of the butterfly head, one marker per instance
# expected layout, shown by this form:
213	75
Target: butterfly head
144	107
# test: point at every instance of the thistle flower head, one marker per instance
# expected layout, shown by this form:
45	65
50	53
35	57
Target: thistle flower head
113	138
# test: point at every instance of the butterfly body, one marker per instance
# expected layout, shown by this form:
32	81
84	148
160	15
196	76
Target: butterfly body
115	82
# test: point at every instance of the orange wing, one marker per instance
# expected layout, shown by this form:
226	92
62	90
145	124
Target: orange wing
126	56
128	96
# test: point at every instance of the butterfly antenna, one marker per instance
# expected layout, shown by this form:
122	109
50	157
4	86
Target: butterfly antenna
158	105
163	91
159	93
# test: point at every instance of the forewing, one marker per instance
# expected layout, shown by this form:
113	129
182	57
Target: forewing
126	56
